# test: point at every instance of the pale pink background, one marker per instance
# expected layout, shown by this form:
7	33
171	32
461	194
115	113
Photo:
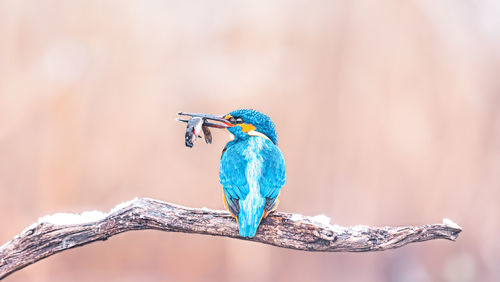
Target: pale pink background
388	113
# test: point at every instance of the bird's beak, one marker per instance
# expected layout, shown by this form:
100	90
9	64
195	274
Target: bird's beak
208	118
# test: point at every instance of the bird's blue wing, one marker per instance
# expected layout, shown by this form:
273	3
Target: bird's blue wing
273	173
232	176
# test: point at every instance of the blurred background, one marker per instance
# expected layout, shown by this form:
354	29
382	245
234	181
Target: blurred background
388	113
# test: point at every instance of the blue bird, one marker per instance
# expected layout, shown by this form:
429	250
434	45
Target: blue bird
252	167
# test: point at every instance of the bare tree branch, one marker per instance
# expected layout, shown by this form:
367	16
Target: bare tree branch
59	232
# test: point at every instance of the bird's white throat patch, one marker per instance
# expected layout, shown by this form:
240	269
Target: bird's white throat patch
256	133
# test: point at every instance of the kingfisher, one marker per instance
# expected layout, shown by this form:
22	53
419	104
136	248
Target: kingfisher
252	167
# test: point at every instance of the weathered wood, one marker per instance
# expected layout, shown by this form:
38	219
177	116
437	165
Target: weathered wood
59	232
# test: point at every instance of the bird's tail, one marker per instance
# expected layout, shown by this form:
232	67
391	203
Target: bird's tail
250	216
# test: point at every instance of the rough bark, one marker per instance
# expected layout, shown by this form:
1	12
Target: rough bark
59	232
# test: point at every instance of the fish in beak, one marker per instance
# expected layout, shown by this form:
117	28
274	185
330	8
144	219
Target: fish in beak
201	122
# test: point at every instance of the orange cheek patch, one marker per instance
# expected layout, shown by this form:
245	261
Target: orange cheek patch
246	127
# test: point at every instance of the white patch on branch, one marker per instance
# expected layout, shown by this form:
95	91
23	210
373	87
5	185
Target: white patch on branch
122	205
357	230
73	218
297	217
319	219
451	223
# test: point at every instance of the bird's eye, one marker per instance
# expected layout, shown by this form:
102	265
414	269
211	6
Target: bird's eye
233	120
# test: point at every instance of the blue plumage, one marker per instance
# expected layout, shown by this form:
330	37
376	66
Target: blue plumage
252	169
261	121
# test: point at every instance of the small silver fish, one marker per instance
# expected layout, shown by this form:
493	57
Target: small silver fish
193	130
198	123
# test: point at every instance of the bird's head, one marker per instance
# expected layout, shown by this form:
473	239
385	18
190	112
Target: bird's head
252	120
242	121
